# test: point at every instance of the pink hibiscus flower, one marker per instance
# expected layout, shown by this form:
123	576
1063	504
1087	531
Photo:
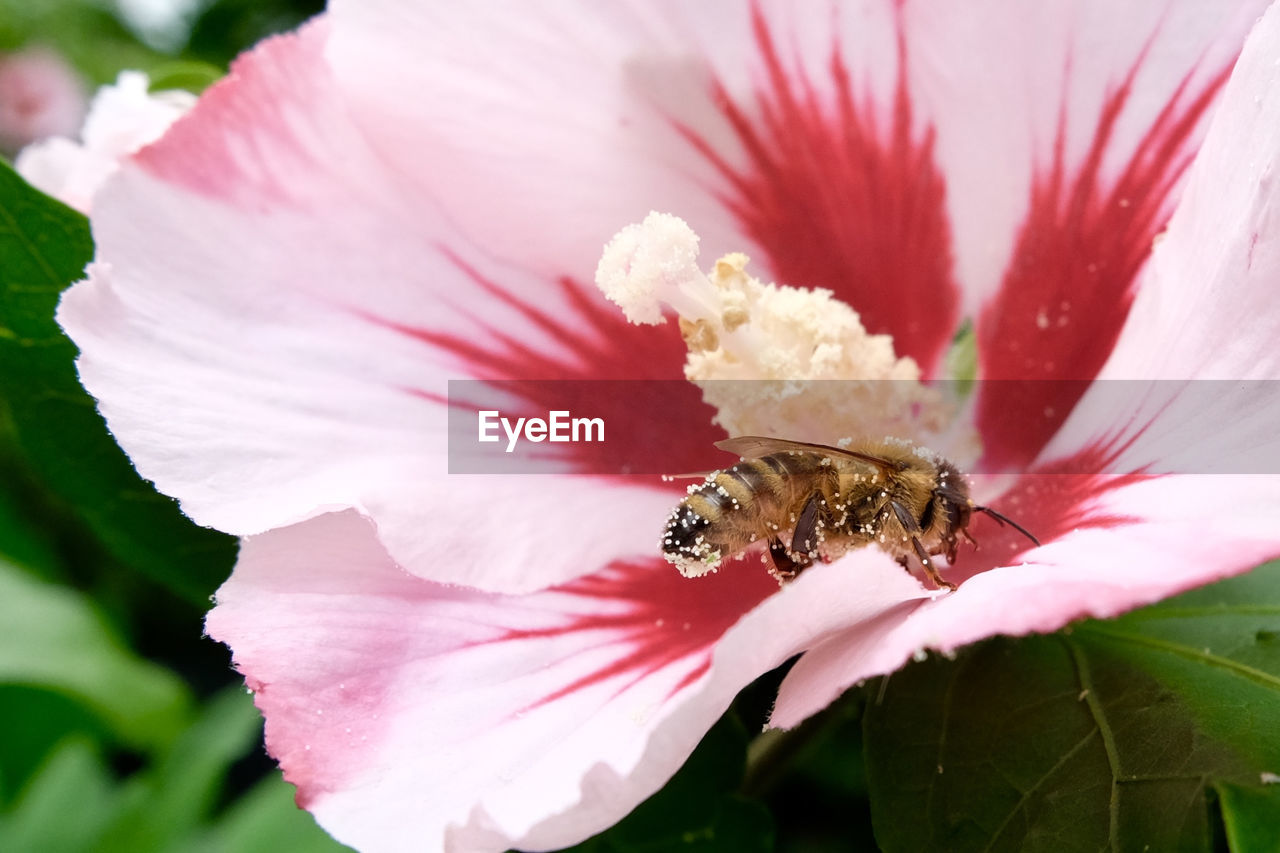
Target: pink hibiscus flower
40	96
401	194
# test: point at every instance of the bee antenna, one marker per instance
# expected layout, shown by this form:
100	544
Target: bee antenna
1004	519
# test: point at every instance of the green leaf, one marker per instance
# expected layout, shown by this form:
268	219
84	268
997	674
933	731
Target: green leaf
171	800
265	820
73	804
1105	736
226	27
813	781
191	75
1252	817
65	806
45	718
698	810
43	247
54	638
24	541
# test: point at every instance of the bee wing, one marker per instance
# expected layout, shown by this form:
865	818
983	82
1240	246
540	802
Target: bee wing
755	446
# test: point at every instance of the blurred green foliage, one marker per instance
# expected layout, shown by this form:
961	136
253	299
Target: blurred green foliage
44	245
125	729
100	40
90	35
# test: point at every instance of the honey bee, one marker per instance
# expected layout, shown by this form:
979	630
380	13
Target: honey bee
812	501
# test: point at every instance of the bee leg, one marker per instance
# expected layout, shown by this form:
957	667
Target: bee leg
952	545
785	567
789	562
912	527
938	580
804	540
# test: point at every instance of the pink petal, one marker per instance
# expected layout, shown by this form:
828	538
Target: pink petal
40	96
123	118
846	146
516	533
273	318
1113	542
1005	82
558	106
412	715
841	191
1105	181
694	108
1207	306
1135	544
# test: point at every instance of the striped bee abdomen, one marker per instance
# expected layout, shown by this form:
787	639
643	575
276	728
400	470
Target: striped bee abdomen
728	511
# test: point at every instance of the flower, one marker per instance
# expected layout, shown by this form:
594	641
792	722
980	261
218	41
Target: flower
40	96
122	119
398	195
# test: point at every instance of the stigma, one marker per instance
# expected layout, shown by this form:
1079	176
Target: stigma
772	359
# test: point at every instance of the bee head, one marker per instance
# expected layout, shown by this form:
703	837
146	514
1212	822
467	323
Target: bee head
951	506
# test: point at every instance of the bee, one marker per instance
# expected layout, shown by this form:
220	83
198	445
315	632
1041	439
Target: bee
813	501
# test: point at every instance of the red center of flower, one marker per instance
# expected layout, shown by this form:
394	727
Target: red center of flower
1051	501
598	350
844	197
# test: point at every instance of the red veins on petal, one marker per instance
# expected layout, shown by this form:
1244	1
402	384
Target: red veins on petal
652	618
846	197
1050	501
1070	283
203	150
594	342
